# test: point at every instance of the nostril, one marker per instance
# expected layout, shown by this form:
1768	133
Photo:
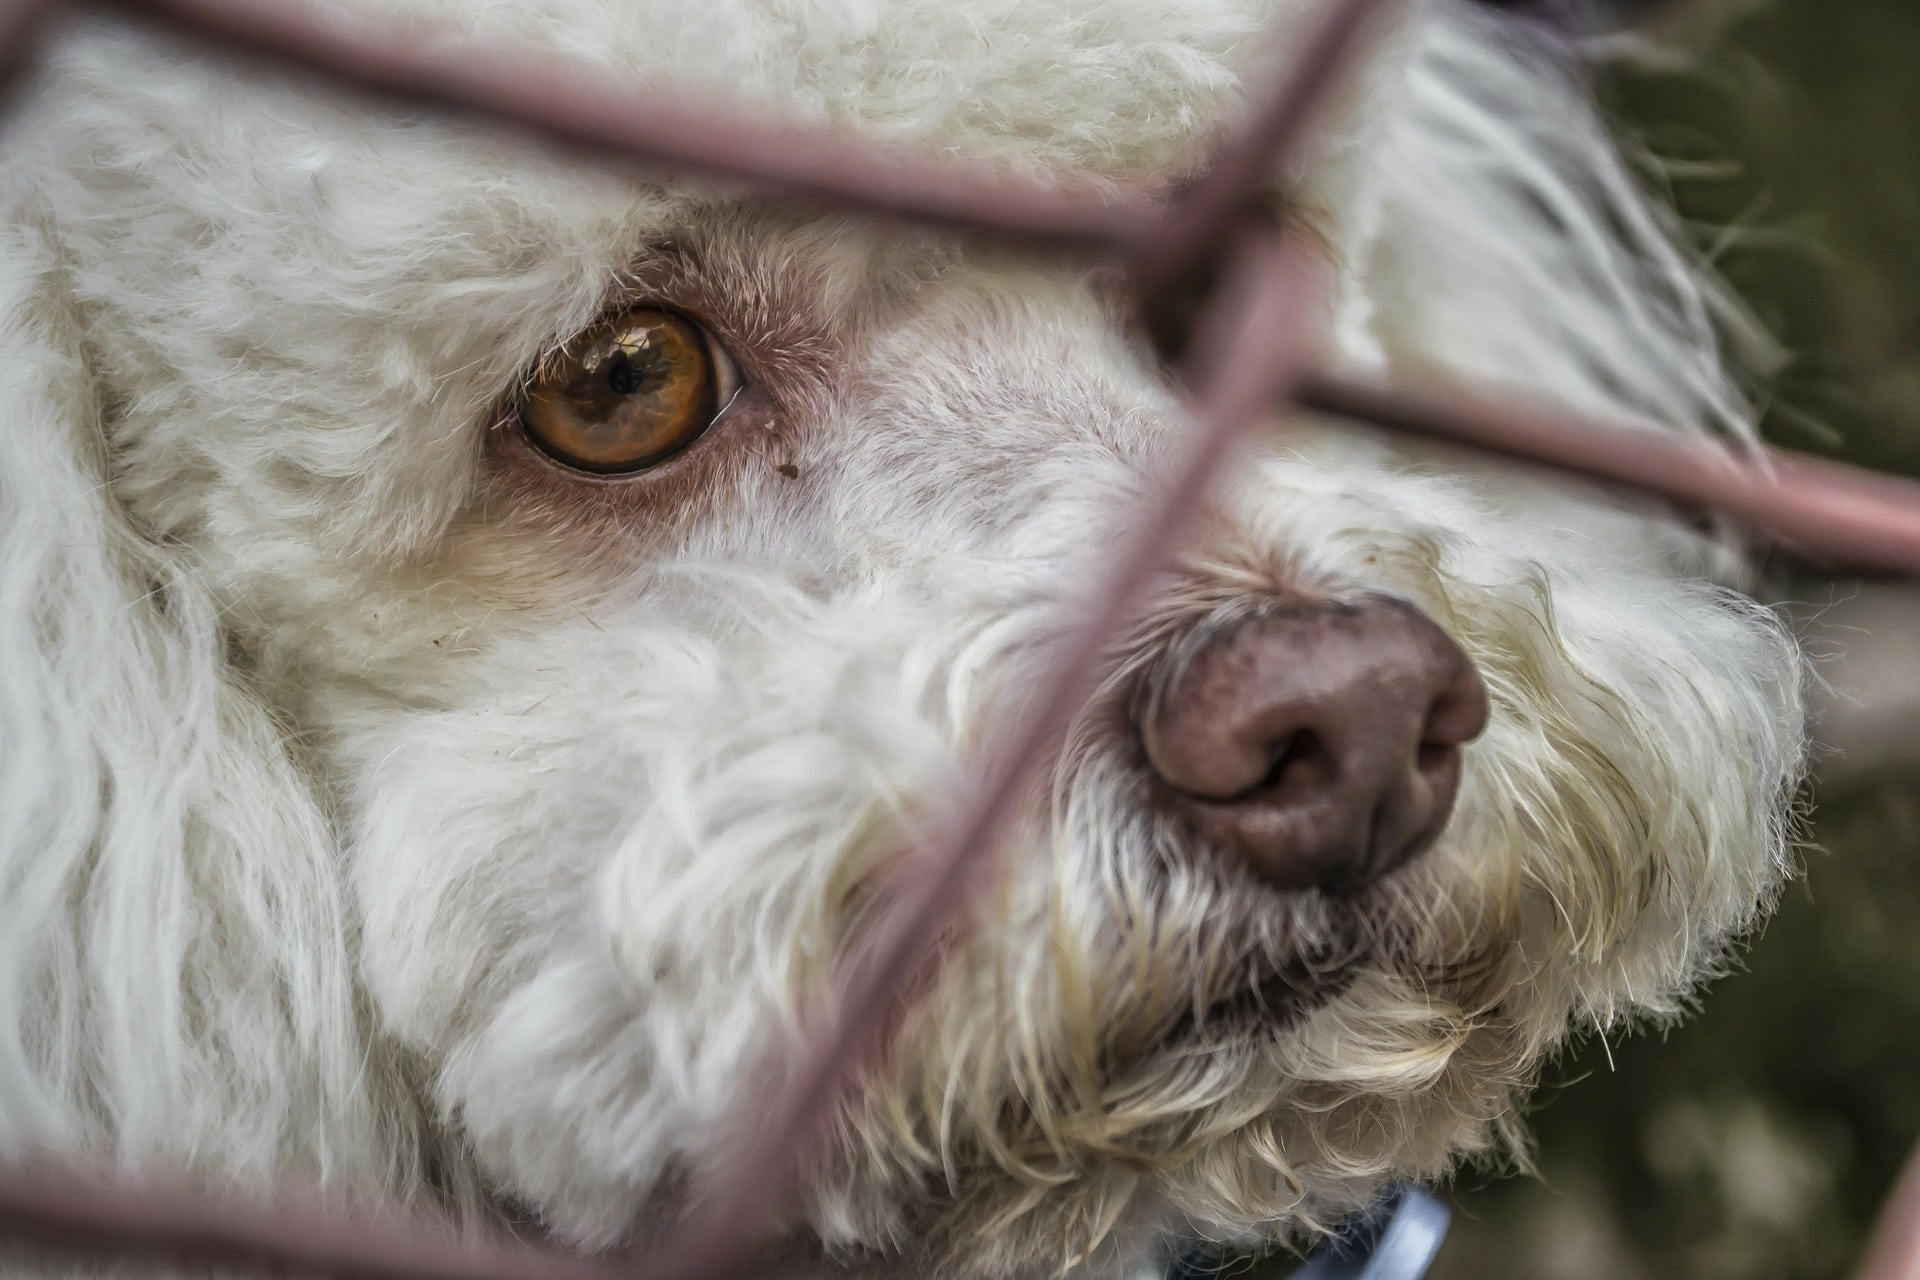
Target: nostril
1431	757
1300	762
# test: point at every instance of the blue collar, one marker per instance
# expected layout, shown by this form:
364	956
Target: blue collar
1394	1240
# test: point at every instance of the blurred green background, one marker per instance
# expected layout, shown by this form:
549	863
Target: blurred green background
1757	1141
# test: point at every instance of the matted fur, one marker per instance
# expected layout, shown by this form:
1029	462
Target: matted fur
386	806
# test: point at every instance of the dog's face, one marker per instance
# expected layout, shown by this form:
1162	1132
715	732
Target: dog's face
639	568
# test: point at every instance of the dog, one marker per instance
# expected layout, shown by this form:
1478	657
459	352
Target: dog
482	629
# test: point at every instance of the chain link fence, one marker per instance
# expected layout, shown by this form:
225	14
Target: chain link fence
1260	352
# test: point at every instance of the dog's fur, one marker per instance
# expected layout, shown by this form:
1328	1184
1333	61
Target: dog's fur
385	805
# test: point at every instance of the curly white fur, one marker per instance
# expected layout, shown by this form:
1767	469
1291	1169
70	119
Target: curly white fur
387	807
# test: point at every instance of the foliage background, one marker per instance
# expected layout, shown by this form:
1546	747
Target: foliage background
1756	1142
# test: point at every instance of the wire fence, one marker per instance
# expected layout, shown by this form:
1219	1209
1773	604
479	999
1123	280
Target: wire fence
1255	351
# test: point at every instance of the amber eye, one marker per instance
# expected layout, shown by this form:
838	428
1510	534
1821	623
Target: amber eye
630	392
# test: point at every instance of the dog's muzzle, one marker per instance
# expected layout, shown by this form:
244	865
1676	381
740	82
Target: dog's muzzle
1318	742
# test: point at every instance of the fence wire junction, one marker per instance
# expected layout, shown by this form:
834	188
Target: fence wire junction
1256	350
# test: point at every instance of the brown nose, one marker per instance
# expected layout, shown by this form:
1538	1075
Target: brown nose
1318	742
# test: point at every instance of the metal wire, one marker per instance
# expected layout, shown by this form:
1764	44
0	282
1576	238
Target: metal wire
1258	350
1268	343
1840	514
98	1217
1894	1253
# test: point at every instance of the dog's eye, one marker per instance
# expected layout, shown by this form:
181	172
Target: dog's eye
630	392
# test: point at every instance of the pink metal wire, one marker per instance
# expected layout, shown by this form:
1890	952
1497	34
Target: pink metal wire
591	112
1256	353
95	1216
1894	1252
1268	339
1841	515
20	23
1824	510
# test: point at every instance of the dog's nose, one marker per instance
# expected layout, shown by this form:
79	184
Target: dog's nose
1319	741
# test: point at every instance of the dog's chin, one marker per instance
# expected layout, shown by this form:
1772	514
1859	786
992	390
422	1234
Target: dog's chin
1267	1006
1267	997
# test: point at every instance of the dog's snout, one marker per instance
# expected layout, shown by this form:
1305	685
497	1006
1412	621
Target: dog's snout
1319	742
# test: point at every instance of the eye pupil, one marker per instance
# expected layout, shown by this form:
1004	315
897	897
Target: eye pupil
623	378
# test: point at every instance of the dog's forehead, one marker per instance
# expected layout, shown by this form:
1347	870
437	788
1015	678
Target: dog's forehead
1120	88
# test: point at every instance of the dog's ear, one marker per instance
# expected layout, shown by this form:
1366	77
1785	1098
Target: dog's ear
1516	244
173	966
1512	243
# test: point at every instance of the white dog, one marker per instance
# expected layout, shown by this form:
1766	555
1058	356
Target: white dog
477	630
